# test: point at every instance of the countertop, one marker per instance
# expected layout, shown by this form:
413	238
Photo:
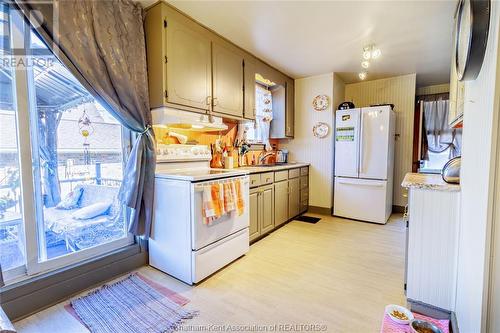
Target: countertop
428	181
277	167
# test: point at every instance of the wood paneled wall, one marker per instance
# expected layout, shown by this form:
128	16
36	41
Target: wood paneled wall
399	91
305	147
435	89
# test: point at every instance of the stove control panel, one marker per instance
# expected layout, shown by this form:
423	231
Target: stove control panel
175	152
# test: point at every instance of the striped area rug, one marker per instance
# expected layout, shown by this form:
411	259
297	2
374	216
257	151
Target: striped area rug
131	305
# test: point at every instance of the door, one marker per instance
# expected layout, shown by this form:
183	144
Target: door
254	214
205	234
290	111
189	64
374	147
249	89
280	202
227	80
361	199
294	197
346	143
267	207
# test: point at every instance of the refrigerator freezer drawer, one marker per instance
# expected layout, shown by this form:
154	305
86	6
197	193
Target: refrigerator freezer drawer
362	199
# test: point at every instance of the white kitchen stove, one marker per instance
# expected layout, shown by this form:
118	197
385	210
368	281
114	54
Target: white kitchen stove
180	243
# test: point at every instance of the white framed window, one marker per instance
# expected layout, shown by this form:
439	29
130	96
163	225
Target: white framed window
61	163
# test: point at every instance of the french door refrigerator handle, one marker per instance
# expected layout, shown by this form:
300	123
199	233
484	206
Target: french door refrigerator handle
360	143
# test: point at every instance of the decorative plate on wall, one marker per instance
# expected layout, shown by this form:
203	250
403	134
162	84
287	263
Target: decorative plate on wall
320	103
320	130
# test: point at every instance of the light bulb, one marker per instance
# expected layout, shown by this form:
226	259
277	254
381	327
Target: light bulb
362	75
376	53
367	55
365	64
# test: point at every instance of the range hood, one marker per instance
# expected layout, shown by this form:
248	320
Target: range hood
186	120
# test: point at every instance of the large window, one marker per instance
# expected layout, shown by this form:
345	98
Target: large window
64	150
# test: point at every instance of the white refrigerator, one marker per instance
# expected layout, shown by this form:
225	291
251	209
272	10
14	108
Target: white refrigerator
364	163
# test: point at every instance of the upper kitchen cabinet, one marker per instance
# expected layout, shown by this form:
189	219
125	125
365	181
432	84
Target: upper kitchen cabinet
290	108
194	69
179	60
457	95
227	79
249	71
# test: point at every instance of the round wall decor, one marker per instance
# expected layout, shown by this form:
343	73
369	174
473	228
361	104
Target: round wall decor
320	130
471	37
320	103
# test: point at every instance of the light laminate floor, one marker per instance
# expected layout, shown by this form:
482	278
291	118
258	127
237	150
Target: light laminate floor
337	273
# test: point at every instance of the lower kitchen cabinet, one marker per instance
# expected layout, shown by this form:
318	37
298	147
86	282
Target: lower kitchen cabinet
280	202
433	222
276	197
293	197
254	213
261	211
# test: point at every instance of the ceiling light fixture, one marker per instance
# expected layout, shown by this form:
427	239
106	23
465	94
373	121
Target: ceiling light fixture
362	75
365	64
367	54
376	53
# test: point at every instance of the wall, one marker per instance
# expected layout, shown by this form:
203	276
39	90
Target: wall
435	89
307	148
479	142
399	91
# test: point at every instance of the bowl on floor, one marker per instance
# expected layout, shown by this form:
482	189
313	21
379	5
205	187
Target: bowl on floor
399	314
423	326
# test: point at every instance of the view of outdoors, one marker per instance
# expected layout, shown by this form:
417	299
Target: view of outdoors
77	162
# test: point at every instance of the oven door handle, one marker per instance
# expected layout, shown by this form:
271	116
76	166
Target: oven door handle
199	187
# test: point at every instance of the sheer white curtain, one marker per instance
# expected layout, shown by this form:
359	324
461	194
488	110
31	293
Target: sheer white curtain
440	136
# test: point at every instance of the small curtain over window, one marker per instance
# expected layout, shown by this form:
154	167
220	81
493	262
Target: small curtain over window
438	135
264	114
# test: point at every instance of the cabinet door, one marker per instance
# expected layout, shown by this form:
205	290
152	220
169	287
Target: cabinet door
457	93
294	197
280	202
227	80
249	89
290	109
254	214
189	63
267	223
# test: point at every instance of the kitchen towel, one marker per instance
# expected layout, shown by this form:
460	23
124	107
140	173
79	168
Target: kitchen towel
240	202
213	206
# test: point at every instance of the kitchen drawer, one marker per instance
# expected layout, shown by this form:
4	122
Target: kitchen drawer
280	175
304	171
293	173
254	180
267	178
304	195
304	182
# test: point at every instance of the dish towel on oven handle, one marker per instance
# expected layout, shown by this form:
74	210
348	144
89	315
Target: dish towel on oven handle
213	203
219	199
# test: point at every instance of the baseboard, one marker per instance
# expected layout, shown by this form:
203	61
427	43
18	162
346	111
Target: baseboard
30	296
398	209
320	210
434	312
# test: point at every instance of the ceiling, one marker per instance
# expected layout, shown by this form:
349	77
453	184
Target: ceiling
305	38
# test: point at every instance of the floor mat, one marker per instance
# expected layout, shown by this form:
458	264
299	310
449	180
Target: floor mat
308	219
132	305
